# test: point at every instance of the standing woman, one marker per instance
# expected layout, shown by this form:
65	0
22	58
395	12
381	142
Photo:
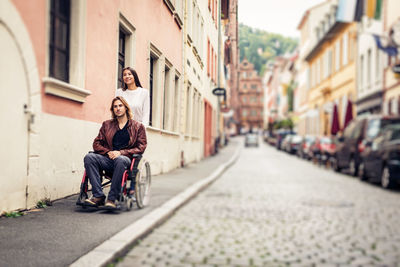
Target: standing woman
137	97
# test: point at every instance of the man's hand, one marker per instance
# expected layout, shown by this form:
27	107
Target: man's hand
113	154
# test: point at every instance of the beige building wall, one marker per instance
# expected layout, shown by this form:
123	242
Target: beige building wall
391	104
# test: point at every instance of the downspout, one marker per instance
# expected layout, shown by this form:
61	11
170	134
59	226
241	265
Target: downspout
219	70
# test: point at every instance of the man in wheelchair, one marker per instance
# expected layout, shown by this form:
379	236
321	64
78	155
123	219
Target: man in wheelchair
118	139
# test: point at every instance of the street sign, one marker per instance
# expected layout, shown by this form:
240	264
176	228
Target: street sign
219	91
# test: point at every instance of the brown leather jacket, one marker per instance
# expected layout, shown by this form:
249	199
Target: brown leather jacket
137	141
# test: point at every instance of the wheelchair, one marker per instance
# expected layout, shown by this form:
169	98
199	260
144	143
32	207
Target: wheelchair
139	173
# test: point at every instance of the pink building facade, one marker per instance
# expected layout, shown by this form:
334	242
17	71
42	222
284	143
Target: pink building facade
62	64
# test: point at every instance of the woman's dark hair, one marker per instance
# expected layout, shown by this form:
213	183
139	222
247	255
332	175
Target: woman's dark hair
135	76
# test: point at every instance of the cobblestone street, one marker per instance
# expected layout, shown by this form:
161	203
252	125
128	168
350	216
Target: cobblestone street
274	209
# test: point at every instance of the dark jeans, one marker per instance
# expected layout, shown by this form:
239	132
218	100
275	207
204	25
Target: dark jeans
94	163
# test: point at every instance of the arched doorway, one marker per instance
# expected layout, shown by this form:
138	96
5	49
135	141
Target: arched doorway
20	95
14	95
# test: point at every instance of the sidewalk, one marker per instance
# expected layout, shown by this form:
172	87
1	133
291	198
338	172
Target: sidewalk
63	234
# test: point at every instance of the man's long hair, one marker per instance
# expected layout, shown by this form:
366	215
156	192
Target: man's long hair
135	76
128	109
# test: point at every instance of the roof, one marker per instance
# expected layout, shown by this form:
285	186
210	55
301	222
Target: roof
307	13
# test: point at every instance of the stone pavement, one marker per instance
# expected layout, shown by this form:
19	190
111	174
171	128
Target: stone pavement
273	209
63	234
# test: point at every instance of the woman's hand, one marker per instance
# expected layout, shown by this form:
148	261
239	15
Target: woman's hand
113	154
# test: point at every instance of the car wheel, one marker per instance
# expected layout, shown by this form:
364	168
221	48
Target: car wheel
361	172
353	167
335	164
386	181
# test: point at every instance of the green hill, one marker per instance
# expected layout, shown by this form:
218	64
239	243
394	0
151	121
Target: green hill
260	46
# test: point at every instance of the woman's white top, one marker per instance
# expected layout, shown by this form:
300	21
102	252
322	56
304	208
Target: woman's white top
139	102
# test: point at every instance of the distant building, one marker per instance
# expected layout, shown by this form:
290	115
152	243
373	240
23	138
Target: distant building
251	97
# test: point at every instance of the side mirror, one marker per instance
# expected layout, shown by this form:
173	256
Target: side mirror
368	143
340	139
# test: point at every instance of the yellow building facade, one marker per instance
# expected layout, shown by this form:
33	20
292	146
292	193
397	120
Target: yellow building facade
391	80
332	76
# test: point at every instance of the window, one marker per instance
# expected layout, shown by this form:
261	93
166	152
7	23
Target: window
337	55
194	111
253	112
121	56
377	65
362	72
208	57
212	63
345	49
325	65
254	86
175	105
188	108
65	73
166	98
245	85
369	67
373	128
153	62
244	113
330	62
216	68
60	39
126	46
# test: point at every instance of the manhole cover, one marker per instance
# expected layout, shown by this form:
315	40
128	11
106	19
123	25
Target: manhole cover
327	203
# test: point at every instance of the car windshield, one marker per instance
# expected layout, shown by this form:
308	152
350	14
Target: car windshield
394	131
251	136
296	138
326	141
310	139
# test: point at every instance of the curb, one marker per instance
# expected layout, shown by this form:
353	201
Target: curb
116	245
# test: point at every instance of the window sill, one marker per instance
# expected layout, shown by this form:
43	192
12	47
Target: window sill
161	131
178	20
170	6
65	90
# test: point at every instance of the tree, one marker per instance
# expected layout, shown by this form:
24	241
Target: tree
259	46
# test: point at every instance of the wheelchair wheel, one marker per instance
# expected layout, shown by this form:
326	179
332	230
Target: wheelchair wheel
143	183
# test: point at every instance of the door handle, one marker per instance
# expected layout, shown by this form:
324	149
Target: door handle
31	115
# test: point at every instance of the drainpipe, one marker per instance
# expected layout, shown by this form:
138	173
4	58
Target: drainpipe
218	68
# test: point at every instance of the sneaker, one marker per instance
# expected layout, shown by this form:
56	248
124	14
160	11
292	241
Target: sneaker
110	204
132	195
95	201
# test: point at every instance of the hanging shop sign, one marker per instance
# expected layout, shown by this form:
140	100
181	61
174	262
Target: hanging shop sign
396	69
219	91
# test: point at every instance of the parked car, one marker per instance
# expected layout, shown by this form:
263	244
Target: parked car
293	143
360	131
271	139
328	148
251	139
322	149
305	145
380	160
280	135
286	142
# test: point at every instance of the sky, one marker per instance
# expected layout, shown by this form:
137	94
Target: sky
274	16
